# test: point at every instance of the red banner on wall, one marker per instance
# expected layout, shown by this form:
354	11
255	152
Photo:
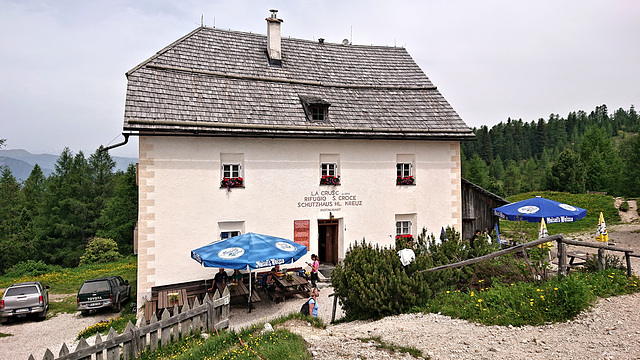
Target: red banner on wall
301	232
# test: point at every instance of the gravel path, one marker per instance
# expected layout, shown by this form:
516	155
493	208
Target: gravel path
610	331
30	336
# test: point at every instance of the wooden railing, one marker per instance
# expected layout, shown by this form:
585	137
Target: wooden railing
562	253
212	314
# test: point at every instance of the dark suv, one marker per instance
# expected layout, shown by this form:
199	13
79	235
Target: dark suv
103	292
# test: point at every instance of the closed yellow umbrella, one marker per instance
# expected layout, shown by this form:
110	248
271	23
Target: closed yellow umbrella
601	231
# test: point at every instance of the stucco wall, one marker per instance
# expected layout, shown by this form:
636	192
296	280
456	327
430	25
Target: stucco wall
181	202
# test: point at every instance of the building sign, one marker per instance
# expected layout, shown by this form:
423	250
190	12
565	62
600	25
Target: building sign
301	232
329	200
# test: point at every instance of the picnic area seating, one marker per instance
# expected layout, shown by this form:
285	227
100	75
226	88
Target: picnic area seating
166	296
299	285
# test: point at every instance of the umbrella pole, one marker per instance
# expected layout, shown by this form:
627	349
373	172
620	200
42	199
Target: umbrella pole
250	281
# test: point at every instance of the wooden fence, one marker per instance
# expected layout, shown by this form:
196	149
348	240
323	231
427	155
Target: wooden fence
212	314
562	253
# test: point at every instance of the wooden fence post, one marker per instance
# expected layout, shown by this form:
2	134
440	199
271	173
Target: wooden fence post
82	344
601	259
176	327
113	353
98	341
224	314
196	320
165	329
335	304
562	258
215	312
627	256
153	336
185	325
48	355
64	350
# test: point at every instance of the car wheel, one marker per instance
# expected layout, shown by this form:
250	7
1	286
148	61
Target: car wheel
42	315
84	312
117	307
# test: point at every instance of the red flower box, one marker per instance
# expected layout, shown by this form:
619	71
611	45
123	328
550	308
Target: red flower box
407	180
231	182
330	180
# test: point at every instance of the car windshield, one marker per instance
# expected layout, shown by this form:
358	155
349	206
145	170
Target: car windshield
94	286
21	290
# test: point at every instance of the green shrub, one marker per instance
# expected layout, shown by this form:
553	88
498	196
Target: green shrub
372	283
610	262
517	304
100	250
30	268
624	206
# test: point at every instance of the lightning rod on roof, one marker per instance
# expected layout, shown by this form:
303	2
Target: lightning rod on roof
202	20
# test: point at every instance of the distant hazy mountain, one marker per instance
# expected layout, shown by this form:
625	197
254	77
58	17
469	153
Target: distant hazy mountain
21	162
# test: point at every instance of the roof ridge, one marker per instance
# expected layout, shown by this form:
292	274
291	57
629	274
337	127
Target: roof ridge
306	40
290	81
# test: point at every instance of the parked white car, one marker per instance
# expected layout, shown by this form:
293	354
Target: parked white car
23	299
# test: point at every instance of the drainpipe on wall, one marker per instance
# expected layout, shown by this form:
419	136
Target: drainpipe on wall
126	140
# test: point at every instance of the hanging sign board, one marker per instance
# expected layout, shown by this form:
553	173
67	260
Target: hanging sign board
301	232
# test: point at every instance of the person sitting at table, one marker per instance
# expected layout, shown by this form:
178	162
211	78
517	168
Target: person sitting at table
220	281
236	277
270	282
276	270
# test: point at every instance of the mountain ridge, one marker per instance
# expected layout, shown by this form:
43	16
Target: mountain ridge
20	162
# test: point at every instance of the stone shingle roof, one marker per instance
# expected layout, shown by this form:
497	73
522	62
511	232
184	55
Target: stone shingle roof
219	82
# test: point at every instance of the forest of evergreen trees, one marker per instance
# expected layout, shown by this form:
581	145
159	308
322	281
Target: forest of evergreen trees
53	218
582	152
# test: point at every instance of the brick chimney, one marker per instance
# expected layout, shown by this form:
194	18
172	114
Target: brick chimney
274	50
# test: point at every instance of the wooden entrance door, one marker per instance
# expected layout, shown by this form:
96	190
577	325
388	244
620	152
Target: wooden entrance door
328	241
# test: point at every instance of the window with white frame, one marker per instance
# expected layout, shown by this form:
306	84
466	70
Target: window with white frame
229	229
404	169
228	234
403	227
329	169
231	170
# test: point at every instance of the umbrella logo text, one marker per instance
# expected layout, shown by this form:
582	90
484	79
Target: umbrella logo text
231	253
284	246
528	209
568	207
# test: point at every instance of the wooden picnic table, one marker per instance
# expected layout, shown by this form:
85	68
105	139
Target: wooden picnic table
573	255
165	298
297	285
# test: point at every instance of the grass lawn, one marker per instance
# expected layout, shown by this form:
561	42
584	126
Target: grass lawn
68	281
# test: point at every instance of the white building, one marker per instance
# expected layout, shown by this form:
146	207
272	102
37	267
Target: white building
276	115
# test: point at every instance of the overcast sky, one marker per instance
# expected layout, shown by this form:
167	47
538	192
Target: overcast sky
62	62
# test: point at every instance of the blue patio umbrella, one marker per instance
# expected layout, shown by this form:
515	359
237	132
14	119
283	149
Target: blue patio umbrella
534	209
249	251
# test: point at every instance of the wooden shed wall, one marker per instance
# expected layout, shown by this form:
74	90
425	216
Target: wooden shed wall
477	211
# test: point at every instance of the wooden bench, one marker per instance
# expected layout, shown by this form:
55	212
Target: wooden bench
189	290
